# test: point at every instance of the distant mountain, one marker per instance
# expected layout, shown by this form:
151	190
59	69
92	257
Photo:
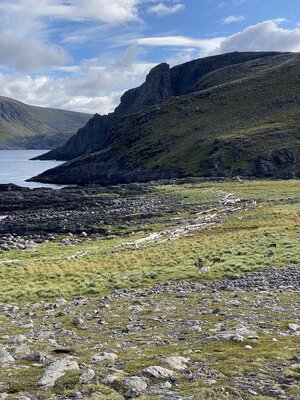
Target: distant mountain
227	115
25	126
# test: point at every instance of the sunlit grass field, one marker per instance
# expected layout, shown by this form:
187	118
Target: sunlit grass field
265	234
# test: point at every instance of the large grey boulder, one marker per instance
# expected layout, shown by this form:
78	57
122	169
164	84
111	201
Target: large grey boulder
157	372
178	363
5	356
134	386
101	357
56	370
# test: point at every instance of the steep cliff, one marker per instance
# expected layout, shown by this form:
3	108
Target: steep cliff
241	119
161	83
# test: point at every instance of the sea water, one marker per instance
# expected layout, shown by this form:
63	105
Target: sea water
16	167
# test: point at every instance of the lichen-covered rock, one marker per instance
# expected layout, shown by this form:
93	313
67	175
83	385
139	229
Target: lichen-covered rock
157	372
178	363
134	386
56	370
5	356
98	358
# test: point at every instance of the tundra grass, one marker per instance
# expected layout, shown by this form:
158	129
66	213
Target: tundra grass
266	234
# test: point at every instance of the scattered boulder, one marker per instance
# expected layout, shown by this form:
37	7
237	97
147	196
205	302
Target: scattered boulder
87	376
134	386
5	356
157	372
178	363
104	357
56	370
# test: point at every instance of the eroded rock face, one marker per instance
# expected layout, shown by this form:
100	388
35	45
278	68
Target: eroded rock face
156	88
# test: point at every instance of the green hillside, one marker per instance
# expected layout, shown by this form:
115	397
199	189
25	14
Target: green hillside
247	126
25	126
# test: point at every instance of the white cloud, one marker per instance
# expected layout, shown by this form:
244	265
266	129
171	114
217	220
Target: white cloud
206	45
279	20
231	19
112	11
95	85
29	55
265	36
162	9
89	87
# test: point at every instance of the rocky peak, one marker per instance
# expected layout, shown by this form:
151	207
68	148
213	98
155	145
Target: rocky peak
156	88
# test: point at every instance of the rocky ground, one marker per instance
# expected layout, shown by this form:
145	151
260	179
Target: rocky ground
172	341
206	337
30	217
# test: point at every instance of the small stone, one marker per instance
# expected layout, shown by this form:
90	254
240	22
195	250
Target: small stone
248	347
237	338
87	376
293	327
78	322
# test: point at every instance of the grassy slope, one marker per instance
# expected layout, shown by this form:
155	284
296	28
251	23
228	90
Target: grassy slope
224	130
19	120
241	243
239	115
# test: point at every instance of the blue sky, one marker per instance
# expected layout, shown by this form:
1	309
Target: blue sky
82	54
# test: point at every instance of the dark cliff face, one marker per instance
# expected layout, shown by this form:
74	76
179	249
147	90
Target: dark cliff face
239	119
161	83
91	136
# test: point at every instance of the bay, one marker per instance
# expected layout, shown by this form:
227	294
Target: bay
16	167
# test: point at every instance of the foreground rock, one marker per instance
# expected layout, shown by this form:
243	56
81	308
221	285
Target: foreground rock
56	370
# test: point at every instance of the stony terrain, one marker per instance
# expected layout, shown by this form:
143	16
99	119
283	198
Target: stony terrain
36	215
233	339
181	290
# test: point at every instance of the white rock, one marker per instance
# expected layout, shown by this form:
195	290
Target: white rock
134	386
87	376
157	372
56	370
246	333
104	357
5	356
21	350
293	327
178	363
